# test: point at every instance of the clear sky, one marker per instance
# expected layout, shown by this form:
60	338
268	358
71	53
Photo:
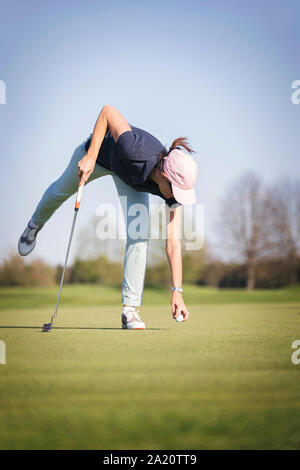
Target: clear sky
216	71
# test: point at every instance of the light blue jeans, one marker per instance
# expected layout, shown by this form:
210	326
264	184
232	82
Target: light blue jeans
136	248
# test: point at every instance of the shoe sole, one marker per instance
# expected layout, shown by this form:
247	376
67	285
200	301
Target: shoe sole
132	328
25	254
124	326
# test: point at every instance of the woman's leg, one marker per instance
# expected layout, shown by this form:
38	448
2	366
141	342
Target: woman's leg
64	187
135	205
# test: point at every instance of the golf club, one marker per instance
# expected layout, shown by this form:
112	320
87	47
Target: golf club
48	326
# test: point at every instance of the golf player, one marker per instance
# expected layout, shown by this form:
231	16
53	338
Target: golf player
139	165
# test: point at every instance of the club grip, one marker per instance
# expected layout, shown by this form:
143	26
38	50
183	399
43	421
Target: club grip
79	196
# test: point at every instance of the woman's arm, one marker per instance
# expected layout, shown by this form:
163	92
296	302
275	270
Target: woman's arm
109	119
173	250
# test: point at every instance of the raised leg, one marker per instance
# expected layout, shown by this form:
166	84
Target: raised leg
64	187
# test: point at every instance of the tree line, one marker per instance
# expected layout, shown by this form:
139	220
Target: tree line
259	240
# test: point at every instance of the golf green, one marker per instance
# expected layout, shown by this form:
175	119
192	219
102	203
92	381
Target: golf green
223	380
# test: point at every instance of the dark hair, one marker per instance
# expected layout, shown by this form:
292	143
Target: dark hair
176	144
181	142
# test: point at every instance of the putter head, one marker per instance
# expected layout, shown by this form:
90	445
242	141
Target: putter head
47	327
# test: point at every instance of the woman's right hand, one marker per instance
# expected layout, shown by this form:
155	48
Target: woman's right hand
86	167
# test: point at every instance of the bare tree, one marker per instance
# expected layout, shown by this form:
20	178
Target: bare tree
244	222
285	220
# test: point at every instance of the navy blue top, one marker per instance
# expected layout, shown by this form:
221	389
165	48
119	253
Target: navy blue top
132	158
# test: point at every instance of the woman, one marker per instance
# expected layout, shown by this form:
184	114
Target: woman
139	165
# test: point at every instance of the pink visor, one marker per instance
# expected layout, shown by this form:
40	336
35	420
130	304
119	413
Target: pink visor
181	170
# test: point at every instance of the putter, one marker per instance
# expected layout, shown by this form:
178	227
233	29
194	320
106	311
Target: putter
48	326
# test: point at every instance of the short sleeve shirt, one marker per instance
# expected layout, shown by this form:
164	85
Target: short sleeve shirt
132	158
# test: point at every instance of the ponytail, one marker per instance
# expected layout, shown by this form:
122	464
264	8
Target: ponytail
176	144
181	142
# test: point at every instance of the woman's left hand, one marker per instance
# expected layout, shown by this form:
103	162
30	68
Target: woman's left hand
178	306
86	167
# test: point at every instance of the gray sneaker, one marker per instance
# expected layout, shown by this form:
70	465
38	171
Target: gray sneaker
131	319
27	240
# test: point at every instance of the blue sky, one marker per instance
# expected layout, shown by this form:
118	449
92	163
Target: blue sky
216	71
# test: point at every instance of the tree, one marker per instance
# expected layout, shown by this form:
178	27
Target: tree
98	270
14	271
244	222
285	222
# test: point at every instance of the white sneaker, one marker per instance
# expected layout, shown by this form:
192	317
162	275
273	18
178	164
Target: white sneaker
27	240
131	319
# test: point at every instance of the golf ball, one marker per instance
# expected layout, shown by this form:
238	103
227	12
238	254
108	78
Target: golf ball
180	317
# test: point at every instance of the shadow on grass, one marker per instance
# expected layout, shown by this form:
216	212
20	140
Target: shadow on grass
73	328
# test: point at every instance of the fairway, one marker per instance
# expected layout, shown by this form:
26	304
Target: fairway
223	380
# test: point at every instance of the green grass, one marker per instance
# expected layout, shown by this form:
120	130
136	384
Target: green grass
95	295
222	380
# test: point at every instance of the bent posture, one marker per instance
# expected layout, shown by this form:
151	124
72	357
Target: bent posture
139	165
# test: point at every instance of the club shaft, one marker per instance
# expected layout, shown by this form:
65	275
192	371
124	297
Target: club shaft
65	265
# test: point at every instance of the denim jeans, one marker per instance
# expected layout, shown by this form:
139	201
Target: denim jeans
136	248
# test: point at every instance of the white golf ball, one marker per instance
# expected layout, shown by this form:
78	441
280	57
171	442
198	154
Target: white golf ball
180	317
